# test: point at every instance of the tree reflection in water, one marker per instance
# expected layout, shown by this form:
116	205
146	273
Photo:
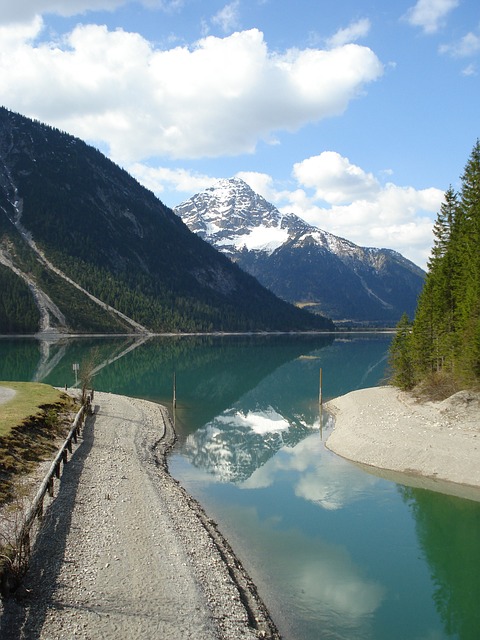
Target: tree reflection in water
454	574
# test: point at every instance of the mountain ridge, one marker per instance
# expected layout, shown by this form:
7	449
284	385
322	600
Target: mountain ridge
107	253
301	263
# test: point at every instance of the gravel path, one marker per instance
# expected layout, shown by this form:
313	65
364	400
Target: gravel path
125	553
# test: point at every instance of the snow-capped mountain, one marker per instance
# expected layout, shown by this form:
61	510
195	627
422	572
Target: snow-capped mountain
301	263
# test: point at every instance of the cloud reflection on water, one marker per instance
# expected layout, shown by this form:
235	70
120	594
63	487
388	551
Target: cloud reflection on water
321	476
317	575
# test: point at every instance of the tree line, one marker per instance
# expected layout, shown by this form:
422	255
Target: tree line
442	344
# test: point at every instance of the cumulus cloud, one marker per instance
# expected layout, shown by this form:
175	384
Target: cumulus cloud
26	10
157	179
352	33
340	197
430	14
334	179
218	97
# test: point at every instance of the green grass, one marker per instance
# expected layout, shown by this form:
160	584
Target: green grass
27	401
30	425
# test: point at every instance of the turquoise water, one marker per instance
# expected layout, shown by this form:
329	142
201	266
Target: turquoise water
335	552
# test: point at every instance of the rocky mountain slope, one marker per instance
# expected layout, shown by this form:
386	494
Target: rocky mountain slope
301	263
86	248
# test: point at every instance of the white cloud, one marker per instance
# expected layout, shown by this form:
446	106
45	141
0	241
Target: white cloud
339	197
228	17
157	179
470	70
352	33
334	178
219	97
468	46
26	10
14	37
430	14
261	183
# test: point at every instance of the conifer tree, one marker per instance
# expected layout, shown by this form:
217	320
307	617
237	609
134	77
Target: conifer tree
445	334
467	257
401	361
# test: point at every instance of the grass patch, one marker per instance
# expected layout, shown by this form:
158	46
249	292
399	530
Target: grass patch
30	425
28	401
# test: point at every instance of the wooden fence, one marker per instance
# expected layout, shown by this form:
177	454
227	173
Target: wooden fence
20	549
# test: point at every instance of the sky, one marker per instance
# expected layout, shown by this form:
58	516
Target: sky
357	115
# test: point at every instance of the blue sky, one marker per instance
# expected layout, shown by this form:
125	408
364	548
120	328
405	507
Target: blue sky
354	114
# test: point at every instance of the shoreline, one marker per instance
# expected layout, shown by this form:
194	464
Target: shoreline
125	551
390	433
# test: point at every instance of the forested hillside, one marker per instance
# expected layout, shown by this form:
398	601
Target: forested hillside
443	342
85	248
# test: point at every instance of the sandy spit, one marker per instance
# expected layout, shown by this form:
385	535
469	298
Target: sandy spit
125	552
435	445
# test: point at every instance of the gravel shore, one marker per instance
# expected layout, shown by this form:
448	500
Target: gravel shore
125	552
435	445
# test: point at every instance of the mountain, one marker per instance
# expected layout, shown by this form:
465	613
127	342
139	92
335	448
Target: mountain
85	248
301	263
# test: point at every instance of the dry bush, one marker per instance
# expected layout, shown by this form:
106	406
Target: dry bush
14	551
437	387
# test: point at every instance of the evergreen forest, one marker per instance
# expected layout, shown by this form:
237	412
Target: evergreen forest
441	347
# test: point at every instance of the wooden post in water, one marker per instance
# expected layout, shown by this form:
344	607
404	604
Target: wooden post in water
320	393
174	389
320	402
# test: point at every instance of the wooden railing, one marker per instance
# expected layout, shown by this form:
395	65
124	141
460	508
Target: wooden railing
19	551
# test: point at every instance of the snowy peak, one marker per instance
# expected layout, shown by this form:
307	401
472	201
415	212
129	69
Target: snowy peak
232	217
302	263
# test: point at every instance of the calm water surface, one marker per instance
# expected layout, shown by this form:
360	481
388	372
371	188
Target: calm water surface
336	552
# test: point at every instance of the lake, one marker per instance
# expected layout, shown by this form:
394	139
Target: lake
335	552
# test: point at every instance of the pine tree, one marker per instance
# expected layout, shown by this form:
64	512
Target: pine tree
445	334
467	257
401	361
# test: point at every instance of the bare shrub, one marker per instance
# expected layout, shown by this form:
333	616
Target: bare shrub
437	386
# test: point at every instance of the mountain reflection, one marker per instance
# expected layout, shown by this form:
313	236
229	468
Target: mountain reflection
454	573
278	412
236	443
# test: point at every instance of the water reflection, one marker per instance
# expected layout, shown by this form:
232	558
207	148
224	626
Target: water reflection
236	443
336	552
278	409
453	555
314	575
315	475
